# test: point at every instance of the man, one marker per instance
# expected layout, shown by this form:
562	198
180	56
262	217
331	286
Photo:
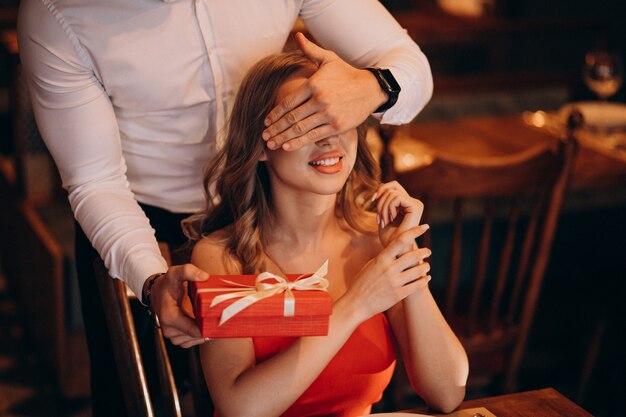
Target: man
131	97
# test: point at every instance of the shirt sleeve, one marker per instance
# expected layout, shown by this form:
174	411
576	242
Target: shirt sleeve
365	34
76	120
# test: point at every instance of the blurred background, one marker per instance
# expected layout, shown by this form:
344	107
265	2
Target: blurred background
489	58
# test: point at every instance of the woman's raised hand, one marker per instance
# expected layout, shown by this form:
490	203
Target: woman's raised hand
391	276
396	211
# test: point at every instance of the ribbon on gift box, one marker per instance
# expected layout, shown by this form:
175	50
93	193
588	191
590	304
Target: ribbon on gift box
265	288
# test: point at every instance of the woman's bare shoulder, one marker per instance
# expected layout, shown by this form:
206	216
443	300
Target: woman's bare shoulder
367	240
370	244
211	253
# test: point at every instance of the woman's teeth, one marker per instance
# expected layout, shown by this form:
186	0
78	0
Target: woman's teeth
326	162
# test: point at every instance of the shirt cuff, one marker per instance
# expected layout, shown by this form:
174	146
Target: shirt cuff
143	269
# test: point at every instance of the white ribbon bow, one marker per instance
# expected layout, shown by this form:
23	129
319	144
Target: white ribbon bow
263	289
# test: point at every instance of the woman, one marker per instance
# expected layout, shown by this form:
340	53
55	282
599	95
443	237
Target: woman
286	212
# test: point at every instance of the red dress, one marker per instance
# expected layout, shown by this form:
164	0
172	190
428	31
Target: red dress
353	380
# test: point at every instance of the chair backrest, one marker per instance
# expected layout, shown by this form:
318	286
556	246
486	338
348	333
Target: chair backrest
502	214
121	327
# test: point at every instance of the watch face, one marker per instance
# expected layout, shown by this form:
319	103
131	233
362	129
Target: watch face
391	81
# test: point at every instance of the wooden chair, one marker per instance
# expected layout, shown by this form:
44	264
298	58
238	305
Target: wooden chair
494	278
129	362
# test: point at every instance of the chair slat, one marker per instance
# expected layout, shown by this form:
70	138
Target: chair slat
481	266
553	202
524	258
504	265
455	258
171	402
200	393
121	326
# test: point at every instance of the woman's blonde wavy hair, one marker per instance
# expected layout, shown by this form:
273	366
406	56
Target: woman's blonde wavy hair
241	181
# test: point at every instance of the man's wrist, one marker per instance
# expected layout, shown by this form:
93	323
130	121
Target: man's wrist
147	289
379	97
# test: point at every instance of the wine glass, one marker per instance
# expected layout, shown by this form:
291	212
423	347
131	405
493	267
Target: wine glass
603	73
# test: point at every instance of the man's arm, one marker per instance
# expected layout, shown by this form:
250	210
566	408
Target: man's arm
363	34
76	119
77	122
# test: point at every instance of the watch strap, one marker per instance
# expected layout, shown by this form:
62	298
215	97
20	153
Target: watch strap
388	84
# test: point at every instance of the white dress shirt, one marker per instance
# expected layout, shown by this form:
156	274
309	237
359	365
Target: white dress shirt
131	96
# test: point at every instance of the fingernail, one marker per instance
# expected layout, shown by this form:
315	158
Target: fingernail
267	122
377	219
382	223
374	197
271	144
425	226
286	146
265	135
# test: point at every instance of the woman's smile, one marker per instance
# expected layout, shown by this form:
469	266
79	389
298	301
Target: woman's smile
328	163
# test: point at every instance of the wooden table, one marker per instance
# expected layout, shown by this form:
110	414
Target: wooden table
540	403
502	135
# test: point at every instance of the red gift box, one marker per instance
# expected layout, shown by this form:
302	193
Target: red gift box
296	306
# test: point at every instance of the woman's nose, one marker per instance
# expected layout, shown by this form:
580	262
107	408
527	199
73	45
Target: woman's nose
331	140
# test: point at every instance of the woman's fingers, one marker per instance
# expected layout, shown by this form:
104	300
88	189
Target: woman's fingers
398	245
392	185
382	280
412	287
390	204
392	201
382	207
412	273
412	261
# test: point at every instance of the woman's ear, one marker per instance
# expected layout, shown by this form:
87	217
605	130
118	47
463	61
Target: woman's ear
263	156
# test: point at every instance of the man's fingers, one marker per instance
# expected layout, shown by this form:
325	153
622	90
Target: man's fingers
188	272
287	104
301	129
181	325
193	342
296	123
312	51
172	332
185	341
314	135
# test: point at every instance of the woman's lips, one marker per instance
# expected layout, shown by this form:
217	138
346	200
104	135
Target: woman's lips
328	163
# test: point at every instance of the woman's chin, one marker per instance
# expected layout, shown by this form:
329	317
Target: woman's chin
327	189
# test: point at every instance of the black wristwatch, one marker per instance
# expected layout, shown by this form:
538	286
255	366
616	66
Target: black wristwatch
389	85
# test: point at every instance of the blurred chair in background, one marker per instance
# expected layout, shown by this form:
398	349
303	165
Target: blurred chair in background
130	364
36	236
502	214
